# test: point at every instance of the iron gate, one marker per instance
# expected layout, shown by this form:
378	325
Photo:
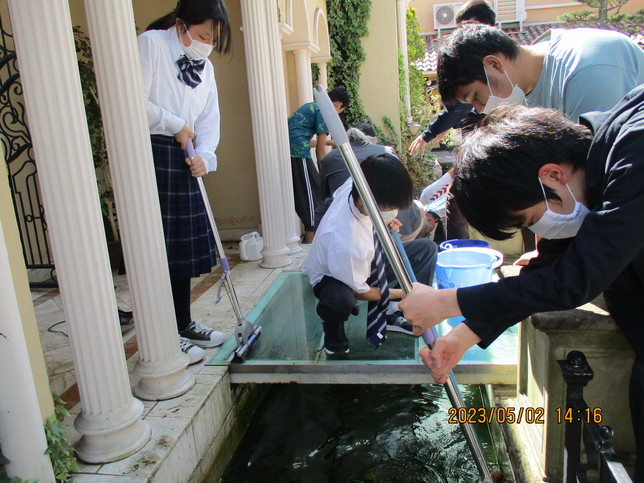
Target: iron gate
21	167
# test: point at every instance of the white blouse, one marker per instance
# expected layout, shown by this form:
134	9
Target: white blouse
343	244
170	102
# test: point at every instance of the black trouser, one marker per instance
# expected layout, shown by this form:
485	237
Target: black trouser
306	190
181	299
636	399
336	302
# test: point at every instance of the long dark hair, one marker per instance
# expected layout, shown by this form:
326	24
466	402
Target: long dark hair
194	12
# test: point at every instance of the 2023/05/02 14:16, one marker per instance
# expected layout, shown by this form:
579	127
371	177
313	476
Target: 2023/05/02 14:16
499	415
588	415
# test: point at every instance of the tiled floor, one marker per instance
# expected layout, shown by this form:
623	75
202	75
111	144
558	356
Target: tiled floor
250	282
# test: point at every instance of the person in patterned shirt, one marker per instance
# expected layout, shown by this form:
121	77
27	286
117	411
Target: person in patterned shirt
303	124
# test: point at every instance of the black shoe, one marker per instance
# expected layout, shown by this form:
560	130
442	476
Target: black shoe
127	321
335	354
202	336
396	322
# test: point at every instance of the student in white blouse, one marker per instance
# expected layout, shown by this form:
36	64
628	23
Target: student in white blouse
339	263
181	95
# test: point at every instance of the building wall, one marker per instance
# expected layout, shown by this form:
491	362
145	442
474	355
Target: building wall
379	82
537	11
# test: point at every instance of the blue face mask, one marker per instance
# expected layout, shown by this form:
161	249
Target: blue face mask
553	226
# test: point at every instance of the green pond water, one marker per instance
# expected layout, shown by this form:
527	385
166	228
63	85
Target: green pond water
358	433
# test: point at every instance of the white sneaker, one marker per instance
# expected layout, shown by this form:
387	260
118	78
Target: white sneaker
195	353
202	336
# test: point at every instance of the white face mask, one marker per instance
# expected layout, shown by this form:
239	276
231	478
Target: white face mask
387	216
516	97
553	226
196	50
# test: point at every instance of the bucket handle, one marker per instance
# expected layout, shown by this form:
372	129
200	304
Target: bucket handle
495	253
490	251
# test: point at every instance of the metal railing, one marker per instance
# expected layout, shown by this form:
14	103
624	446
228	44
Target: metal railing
582	427
21	166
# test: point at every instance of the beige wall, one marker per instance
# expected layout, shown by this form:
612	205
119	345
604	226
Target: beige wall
233	188
537	10
379	83
23	294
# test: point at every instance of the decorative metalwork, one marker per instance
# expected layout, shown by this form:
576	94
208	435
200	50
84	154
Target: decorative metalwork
21	164
583	431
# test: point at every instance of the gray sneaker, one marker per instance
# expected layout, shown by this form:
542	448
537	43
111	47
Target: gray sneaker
202	336
397	323
194	353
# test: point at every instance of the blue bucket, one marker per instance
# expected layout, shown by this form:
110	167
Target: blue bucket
461	267
463	243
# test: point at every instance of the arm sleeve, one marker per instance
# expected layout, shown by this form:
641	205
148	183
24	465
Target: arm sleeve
608	241
207	128
449	118
489	329
158	118
436	189
320	125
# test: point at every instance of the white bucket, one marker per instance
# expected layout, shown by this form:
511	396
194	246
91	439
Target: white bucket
250	247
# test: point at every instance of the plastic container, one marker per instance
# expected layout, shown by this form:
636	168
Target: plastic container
463	243
250	247
464	267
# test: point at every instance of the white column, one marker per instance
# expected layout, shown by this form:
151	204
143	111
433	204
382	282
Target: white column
22	436
276	66
264	133
110	420
303	73
162	366
323	76
401	8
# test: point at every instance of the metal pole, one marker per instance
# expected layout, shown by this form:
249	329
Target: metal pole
338	133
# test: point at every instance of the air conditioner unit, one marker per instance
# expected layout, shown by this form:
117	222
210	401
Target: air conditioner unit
509	11
445	15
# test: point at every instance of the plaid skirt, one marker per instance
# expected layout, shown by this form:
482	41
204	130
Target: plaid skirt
189	240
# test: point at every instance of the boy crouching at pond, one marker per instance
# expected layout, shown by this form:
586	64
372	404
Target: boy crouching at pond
346	262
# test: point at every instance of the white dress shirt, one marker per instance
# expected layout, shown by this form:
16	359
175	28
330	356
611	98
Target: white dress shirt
170	102
343	244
